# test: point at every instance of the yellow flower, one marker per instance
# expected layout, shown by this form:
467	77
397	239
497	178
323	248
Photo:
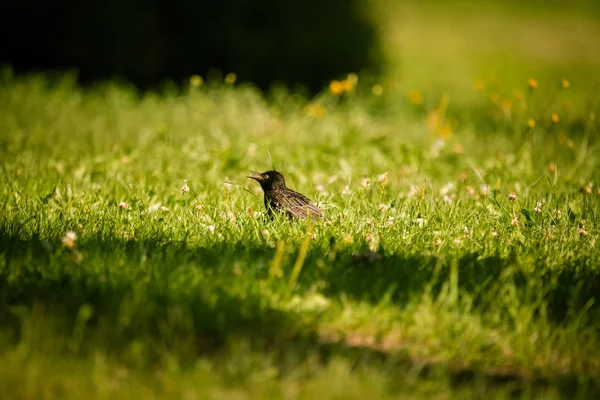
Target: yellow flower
506	106
494	97
518	93
316	111
444	131
336	87
531	123
377	90
230	78
533	84
348	85
415	97
433	120
478	84
196	80
565	84
555	118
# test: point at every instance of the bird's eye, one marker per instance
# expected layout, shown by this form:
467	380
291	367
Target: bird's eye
267	176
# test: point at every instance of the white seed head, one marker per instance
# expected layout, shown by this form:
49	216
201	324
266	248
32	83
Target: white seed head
515	221
365	183
70	240
185	188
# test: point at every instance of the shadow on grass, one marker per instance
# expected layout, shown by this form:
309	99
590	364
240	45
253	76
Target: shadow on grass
170	297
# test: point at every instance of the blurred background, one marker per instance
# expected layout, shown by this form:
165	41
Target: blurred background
146	42
302	43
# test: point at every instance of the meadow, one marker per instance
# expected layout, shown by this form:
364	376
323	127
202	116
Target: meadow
458	259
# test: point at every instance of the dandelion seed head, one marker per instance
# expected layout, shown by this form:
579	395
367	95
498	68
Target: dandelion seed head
70	240
515	220
413	190
365	183
185	188
557	213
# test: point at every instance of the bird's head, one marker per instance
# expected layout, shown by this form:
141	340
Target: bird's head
268	180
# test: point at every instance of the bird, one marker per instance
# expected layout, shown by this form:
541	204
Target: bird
279	198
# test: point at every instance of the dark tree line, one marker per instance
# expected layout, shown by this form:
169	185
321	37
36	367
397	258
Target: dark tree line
303	42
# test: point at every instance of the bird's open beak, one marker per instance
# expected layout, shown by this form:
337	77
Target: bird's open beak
257	176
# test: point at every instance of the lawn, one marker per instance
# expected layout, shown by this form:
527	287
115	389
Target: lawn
459	257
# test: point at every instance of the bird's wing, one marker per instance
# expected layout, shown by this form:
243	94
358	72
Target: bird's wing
299	206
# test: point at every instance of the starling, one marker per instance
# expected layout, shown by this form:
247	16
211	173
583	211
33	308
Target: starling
279	198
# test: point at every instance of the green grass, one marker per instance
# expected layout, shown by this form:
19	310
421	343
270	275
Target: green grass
433	285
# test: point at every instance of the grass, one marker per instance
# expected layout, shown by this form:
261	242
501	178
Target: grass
425	280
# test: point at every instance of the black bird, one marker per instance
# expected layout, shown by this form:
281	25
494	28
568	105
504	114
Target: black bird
279	198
